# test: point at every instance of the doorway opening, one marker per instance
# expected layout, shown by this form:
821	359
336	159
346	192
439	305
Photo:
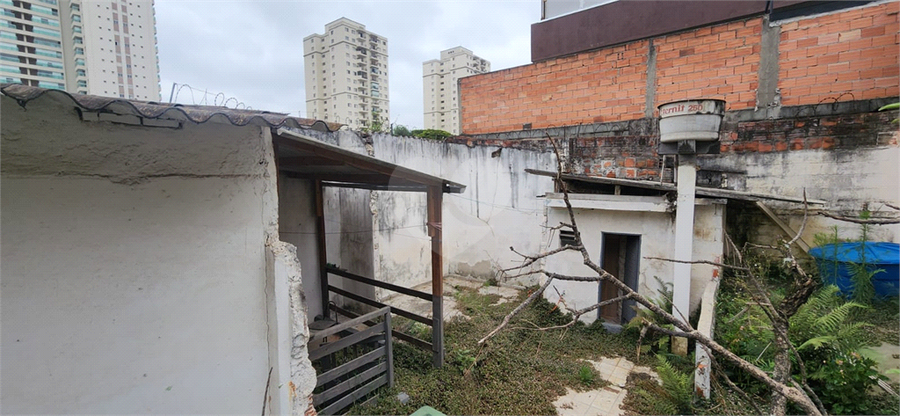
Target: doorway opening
620	255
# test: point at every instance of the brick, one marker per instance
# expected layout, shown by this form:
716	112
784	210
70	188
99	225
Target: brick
884	40
849	35
807	42
828	38
868	32
860	23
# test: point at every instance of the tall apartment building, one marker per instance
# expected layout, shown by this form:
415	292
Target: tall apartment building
440	78
105	48
346	71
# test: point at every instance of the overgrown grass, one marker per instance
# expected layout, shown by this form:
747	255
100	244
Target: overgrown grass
520	371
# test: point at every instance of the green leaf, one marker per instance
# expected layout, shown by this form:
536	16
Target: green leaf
894	106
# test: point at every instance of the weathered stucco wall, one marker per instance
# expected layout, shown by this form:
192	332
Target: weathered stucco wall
847	179
297	226
501	207
134	266
619	215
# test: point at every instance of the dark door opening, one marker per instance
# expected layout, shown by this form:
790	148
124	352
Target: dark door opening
620	256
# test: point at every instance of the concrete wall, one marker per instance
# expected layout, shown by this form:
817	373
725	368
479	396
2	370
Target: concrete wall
849	180
844	154
501	207
297	226
643	216
134	266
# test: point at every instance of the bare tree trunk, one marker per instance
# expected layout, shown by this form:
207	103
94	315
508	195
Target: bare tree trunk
782	371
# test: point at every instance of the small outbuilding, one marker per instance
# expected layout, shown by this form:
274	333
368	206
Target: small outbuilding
146	268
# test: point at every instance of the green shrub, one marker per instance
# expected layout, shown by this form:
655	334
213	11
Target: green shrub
431	134
843	381
586	375
464	360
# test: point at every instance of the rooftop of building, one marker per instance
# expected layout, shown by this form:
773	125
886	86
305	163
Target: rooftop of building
23	94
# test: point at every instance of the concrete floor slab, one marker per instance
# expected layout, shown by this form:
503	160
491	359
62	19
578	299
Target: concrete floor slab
887	357
607	400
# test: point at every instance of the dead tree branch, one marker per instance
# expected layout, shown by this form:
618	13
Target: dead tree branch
577	313
516	311
711	263
778	385
558	227
529	260
870	221
794	394
803	223
732	386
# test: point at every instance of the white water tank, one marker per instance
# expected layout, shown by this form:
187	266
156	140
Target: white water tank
690	120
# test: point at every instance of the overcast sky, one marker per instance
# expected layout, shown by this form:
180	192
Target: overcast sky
252	50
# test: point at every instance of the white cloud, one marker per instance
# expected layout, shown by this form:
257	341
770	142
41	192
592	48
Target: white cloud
252	50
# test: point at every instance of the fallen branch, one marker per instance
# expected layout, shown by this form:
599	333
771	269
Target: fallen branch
577	314
532	259
516	311
711	263
732	386
870	221
780	389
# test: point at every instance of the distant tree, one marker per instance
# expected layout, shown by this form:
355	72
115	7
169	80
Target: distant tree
401	130
432	134
378	124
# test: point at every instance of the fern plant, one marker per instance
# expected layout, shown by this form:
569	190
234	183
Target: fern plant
826	321
677	385
644	315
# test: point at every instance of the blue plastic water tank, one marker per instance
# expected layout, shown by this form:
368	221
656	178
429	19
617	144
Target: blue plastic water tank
834	265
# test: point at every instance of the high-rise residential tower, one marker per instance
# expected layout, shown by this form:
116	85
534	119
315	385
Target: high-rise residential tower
346	71
98	47
440	78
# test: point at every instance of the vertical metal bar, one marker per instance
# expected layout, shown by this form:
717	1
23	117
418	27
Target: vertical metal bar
323	257
435	201
389	347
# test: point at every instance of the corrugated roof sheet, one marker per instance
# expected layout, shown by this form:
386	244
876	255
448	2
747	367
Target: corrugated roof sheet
153	110
668	187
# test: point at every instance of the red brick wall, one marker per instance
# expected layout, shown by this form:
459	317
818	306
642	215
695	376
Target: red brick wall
564	91
715	62
843	56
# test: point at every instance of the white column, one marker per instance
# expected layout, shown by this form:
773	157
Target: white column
684	238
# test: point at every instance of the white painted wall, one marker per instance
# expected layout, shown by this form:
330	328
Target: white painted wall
134	266
616	214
